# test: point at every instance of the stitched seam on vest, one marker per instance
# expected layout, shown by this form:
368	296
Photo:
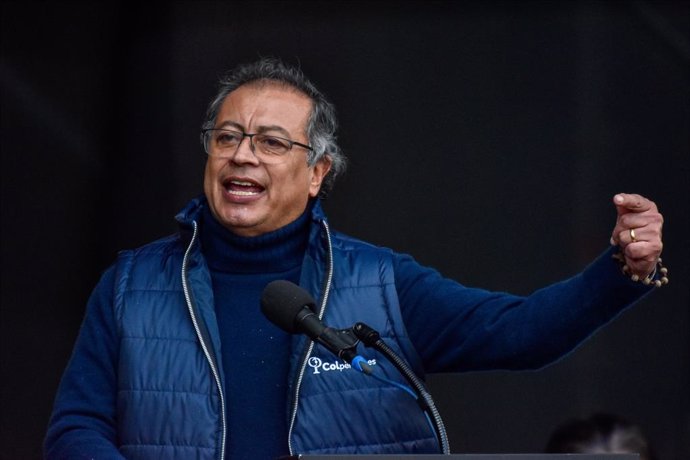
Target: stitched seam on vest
377	444
363	286
147	390
152	290
142	337
359	390
194	446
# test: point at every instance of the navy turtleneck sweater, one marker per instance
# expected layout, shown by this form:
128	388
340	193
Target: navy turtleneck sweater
255	353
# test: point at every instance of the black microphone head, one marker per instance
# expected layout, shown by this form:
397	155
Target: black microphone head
282	301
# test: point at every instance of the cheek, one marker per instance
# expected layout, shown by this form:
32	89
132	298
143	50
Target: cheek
211	174
208	179
292	182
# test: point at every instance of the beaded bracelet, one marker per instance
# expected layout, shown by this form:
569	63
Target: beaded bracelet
649	279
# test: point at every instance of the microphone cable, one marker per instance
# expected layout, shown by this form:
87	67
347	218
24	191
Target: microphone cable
405	388
371	338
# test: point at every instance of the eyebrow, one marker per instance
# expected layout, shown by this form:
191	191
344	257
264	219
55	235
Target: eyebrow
261	129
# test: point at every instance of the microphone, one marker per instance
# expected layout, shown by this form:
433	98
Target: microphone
291	308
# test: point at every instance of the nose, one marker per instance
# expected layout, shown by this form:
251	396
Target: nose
245	152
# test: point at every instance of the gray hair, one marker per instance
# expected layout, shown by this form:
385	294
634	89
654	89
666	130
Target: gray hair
322	124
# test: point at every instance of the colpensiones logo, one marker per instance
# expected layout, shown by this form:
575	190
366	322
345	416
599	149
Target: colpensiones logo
319	365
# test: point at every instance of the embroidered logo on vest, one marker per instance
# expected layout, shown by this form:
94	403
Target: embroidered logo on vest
319	365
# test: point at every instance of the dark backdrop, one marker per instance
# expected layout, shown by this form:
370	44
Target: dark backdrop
486	139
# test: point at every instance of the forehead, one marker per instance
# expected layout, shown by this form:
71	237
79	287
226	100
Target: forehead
266	103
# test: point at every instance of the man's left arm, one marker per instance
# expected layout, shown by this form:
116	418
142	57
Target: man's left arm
456	328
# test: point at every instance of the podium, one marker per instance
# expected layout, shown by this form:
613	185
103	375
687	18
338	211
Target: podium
472	457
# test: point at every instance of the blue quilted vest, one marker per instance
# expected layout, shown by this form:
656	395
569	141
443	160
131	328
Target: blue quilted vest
170	382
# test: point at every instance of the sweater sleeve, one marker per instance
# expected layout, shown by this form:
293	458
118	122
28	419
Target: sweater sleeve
83	422
455	328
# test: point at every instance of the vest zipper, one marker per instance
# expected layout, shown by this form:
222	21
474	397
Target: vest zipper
204	345
322	310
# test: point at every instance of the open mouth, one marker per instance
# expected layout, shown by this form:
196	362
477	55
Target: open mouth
242	187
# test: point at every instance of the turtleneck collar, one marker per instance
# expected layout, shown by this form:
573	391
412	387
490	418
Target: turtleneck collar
280	250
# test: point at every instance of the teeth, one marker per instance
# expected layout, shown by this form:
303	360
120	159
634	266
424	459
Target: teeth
241	192
242	187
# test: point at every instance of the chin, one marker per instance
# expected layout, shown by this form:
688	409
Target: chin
241	225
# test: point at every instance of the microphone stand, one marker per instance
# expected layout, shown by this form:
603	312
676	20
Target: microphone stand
371	338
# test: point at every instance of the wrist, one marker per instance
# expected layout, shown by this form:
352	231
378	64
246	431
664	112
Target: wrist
658	277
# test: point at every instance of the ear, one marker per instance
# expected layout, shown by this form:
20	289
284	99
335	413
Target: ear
319	171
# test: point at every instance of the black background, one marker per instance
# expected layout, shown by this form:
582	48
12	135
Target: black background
487	139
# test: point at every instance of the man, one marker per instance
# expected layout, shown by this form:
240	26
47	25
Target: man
174	359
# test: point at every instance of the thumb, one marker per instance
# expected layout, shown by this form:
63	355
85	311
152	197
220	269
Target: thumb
619	202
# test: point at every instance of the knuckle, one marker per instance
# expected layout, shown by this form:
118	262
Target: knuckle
630	251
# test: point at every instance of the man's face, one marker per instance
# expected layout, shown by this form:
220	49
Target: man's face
249	197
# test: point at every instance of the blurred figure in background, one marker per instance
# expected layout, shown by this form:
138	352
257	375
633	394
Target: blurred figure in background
600	434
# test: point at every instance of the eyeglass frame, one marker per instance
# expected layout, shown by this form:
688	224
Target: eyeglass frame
290	142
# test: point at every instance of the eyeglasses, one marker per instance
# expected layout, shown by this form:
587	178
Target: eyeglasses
223	143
